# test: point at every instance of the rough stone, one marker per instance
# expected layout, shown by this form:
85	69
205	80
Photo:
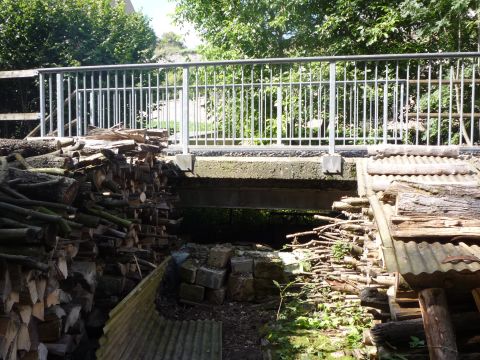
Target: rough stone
264	288
188	270
216	296
269	268
211	278
192	292
292	262
219	256
241	264
241	287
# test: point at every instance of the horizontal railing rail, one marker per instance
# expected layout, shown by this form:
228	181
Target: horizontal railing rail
314	102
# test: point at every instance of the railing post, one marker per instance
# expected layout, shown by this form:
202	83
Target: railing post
279	116
60	112
185	115
332	110
41	80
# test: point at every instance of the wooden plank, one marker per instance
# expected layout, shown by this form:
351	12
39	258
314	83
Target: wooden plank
15	74
19	117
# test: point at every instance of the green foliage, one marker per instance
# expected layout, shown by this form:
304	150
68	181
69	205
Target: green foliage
340	249
277	28
170	47
43	33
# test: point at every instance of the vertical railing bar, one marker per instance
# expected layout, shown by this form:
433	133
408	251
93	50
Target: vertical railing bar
116	118
242	94
395	105
279	109
332	110
234	106
175	119
271	106
376	105
92	101
78	108
365	104
141	100
224	124
41	81
439	120
197	109
462	125
450	103
185	108
310	86
149	101
124	78
50	102
407	101
252	108
157	88
69	91
300	88
100	103
417	124
108	101
355	105
429	89
319	107
385	105
291	106
260	106
85	105
343	132
473	104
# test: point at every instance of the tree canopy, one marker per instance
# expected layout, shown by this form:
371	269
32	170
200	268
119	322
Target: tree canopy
42	33
278	28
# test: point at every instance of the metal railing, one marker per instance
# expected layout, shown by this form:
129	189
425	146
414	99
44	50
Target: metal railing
320	102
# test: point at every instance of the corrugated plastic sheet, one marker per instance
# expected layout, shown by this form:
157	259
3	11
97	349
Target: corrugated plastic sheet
412	257
136	331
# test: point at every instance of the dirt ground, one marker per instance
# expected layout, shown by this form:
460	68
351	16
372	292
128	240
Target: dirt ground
242	323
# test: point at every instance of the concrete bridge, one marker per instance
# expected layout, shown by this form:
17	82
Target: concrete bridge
308	110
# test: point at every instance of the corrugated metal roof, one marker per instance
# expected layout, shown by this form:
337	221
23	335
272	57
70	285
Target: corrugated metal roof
415	258
426	258
136	331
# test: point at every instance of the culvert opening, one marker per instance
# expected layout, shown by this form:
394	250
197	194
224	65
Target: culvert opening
230	268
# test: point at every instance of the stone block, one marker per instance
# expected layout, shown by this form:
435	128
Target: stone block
241	264
264	288
292	262
188	270
219	256
216	296
211	278
185	162
269	268
192	292
241	287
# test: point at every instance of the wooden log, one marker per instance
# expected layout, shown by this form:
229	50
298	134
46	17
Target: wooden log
414	204
26	148
400	332
22	236
64	192
437	323
381	151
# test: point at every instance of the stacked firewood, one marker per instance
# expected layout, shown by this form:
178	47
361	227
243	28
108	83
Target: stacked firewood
81	222
345	257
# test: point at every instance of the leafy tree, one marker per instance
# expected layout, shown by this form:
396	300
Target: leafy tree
42	33
278	28
171	48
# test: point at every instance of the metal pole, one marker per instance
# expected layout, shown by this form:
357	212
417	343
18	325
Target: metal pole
332	110
60	113
279	116
42	104
185	134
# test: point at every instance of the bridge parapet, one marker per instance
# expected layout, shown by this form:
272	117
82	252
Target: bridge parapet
322	103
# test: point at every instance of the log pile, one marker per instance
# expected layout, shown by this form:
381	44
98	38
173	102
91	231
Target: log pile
81	223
